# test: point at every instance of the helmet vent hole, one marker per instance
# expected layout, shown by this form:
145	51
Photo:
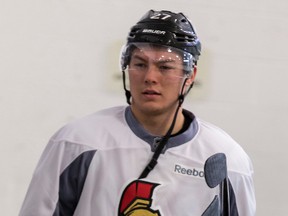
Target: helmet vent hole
184	38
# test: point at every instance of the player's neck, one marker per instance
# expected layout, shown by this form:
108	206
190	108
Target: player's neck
158	125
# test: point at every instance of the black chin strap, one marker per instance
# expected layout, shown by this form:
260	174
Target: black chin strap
153	162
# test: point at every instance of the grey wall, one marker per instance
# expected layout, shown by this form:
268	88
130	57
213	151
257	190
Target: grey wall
59	61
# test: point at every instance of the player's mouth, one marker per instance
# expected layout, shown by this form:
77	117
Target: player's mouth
149	93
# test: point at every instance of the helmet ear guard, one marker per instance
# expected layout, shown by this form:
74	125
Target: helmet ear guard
125	56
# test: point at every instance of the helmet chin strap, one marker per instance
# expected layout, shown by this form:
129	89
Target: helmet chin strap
153	162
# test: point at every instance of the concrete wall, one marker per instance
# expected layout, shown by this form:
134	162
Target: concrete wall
59	61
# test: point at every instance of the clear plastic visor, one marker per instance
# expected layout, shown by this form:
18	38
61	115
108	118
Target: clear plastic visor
167	61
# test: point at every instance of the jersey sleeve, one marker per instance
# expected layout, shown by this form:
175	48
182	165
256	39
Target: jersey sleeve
52	180
242	193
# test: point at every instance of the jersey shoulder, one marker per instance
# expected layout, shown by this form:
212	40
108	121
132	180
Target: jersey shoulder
212	139
94	127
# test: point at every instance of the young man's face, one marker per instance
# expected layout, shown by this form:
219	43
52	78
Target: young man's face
156	77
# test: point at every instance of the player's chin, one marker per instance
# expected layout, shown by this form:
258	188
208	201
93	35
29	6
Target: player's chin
152	108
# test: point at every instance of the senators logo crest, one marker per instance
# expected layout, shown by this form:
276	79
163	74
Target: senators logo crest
136	199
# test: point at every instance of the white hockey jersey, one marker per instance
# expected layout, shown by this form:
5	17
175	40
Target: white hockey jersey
91	166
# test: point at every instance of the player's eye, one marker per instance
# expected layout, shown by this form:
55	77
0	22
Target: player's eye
140	65
165	68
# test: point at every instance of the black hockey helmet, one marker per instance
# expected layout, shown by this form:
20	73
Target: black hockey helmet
163	28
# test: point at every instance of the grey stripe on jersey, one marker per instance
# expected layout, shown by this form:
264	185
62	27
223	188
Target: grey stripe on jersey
173	141
71	184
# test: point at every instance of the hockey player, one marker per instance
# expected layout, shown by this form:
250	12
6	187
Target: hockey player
146	158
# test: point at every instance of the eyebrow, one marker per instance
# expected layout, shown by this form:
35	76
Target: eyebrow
138	57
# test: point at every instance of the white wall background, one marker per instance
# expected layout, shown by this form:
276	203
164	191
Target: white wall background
59	60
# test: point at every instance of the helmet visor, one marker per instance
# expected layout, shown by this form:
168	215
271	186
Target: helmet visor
167	60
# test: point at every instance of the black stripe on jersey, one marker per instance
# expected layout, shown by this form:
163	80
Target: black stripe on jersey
71	184
233	204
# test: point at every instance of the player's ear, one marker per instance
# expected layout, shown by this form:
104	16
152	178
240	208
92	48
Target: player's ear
192	76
